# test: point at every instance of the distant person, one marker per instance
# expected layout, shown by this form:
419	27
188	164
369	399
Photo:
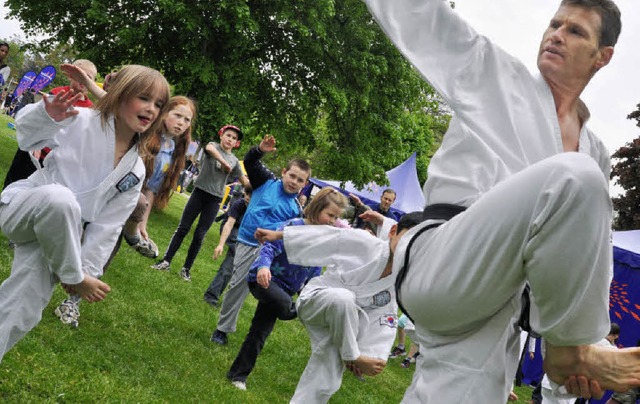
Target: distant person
387	199
5	70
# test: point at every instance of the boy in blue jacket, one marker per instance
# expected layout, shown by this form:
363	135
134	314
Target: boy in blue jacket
273	201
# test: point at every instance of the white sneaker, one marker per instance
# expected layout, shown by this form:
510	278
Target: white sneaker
146	248
185	273
162	265
68	312
240	385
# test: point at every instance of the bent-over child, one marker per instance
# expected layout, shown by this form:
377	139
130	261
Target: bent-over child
66	217
273	281
349	311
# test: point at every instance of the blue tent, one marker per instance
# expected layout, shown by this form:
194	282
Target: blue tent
403	179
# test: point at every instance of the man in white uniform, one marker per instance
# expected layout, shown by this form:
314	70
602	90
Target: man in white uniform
533	179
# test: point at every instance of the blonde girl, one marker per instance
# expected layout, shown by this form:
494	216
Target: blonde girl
274	288
66	217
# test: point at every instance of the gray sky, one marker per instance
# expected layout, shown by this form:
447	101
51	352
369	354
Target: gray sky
517	26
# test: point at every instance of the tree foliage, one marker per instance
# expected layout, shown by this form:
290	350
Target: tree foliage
318	74
627	173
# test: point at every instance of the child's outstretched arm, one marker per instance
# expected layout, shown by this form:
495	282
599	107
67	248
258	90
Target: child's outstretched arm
213	152
258	174
264	235
73	72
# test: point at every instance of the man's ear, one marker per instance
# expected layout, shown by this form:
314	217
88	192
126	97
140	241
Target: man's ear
284	171
393	231
606	53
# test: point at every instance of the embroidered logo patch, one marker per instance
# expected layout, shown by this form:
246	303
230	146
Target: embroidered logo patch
127	182
382	298
390	320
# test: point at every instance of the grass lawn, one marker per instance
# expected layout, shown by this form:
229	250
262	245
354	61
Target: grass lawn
149	340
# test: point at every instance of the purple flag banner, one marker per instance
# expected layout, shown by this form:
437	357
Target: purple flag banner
46	76
24	83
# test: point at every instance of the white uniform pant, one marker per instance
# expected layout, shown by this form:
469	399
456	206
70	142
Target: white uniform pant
339	331
549	225
44	223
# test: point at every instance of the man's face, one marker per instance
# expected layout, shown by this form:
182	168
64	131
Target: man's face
294	179
386	200
570	48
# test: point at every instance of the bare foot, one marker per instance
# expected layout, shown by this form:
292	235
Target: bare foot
613	369
369	366
92	289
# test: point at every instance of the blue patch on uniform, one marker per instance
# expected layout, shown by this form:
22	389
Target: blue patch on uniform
390	320
127	182
382	299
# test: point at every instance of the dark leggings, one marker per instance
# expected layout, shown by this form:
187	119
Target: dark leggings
273	303
200	203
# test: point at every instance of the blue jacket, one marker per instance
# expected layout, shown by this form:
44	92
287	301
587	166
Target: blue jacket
270	205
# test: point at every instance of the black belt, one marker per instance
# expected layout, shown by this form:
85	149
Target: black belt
439	211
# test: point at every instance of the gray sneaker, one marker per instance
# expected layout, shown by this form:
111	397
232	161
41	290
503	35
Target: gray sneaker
185	273
162	265
68	312
146	248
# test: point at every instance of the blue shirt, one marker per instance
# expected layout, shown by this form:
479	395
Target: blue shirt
161	165
291	278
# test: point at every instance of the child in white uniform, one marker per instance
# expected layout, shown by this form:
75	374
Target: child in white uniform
66	217
349	311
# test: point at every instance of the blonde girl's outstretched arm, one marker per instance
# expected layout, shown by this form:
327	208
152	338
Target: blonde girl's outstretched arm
38	124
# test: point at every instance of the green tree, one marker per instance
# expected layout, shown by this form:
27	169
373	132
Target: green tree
318	74
626	171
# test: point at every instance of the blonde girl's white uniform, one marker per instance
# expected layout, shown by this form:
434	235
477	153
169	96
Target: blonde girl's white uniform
348	311
66	217
534	213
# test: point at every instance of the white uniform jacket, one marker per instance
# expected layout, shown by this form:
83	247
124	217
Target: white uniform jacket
354	259
505	117
82	159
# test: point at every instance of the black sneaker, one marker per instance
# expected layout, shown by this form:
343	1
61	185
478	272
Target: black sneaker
397	351
212	301
219	337
185	273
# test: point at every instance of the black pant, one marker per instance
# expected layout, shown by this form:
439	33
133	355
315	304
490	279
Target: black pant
273	303
200	203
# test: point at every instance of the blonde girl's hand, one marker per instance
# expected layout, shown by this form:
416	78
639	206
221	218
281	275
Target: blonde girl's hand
73	72
218	251
60	106
263	277
268	144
